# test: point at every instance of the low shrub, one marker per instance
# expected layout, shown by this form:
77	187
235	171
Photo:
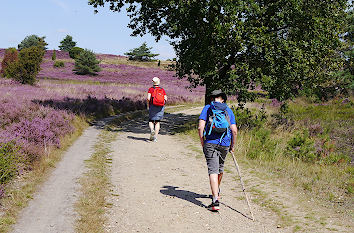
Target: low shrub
10	56
9	158
75	51
27	67
302	147
262	145
86	63
54	55
59	64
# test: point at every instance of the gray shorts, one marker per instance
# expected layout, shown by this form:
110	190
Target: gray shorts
215	156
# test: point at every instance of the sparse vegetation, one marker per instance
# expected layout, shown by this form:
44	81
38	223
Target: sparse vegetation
95	185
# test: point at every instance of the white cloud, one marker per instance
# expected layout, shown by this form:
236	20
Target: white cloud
62	30
61	4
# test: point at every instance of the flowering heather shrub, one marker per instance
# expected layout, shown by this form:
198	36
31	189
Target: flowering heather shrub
97	108
10	56
32	127
59	54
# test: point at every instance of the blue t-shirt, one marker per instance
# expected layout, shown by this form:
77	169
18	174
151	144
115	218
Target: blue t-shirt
214	138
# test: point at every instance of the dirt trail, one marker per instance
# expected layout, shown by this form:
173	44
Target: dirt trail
51	209
163	187
156	187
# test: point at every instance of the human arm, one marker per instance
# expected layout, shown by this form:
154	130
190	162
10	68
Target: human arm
148	99
233	128
201	127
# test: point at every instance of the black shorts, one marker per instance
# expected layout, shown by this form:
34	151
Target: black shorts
154	121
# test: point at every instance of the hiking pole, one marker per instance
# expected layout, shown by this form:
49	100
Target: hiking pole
243	187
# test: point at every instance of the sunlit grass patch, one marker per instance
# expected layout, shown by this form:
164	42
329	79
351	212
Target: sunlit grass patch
95	187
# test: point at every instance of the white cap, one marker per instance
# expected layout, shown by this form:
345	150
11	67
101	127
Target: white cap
156	81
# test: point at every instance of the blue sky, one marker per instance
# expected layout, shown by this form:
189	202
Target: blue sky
105	32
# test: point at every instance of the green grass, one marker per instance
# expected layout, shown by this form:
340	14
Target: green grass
328	179
95	187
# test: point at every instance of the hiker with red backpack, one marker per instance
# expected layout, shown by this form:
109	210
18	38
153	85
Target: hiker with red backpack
217	132
156	103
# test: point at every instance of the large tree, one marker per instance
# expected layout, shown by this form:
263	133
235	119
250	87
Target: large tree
285	46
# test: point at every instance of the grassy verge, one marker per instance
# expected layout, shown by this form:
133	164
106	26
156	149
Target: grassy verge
304	157
21	190
95	187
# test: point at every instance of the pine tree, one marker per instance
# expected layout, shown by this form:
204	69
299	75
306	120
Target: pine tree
143	53
67	44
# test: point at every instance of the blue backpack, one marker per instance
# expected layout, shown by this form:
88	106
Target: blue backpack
219	120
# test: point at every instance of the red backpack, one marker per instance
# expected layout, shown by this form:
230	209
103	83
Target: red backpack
158	96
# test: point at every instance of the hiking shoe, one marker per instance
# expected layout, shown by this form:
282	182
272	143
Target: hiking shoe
152	135
214	206
155	139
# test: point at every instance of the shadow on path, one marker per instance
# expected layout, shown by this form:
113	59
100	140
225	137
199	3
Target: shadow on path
138	138
171	124
233	209
184	194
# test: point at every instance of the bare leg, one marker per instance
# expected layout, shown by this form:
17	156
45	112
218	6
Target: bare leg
219	179
151	125
157	128
214	180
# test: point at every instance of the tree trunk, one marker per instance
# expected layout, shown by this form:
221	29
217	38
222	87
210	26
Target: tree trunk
207	94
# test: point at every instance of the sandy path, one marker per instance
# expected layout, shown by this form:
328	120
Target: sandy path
163	187
51	209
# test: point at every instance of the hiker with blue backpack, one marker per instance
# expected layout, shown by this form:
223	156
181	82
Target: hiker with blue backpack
217	132
156	104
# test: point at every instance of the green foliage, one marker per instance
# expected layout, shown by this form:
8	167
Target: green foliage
247	120
67	44
143	53
27	67
11	55
75	51
59	64
286	46
54	55
302	147
33	40
9	155
86	63
262	146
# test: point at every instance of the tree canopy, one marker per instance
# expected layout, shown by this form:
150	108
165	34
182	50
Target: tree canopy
67	43
33	40
142	53
284	46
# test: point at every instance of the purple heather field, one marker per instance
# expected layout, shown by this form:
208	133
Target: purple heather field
35	117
